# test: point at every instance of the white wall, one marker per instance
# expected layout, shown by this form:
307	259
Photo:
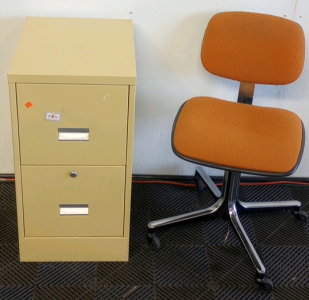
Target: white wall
168	37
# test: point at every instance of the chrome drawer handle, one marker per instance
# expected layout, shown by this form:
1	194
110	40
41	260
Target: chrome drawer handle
73	174
73	134
74	209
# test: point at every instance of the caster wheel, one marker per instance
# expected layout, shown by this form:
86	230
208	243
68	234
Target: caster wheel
301	217
266	286
154	242
199	183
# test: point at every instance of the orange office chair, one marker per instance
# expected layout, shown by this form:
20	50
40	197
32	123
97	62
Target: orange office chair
239	137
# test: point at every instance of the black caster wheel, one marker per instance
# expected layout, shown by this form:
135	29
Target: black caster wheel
266	285
199	182
301	217
154	242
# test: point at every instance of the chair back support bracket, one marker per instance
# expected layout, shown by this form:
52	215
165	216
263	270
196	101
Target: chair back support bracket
246	92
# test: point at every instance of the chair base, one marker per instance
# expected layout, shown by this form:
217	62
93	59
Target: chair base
227	207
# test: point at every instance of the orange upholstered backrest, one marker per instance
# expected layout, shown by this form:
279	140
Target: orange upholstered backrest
255	48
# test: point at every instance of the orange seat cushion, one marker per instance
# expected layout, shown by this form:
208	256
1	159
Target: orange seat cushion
238	136
255	48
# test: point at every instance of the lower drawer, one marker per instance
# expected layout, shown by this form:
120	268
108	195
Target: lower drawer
59	204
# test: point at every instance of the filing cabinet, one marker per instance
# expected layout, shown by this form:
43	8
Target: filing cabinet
72	92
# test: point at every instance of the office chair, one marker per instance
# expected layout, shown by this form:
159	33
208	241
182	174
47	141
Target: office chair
238	137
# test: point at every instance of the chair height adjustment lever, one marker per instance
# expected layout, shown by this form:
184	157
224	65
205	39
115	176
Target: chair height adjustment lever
208	181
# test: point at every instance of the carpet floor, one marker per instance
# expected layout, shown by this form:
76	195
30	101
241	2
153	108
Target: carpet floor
197	261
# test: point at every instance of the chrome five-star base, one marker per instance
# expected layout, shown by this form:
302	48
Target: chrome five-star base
227	207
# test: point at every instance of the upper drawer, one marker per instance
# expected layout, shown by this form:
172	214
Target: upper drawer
72	124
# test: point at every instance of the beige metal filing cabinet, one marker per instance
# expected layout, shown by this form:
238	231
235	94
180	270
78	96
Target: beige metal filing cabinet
72	90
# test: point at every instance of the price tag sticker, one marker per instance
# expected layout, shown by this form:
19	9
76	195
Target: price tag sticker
52	116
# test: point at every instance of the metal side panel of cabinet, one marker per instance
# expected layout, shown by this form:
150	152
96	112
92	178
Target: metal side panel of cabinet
130	140
15	137
65	201
64	124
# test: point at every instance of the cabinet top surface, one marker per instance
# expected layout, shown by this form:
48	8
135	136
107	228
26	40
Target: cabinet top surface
64	50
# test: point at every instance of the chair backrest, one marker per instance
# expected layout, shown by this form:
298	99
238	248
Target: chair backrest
253	48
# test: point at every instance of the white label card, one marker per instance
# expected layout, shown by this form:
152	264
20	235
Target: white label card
51	116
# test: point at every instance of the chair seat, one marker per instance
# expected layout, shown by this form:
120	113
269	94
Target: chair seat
239	137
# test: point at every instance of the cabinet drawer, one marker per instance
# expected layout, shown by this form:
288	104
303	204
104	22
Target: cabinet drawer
56	204
72	124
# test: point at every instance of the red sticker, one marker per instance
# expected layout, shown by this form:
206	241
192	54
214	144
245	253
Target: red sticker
28	104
